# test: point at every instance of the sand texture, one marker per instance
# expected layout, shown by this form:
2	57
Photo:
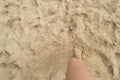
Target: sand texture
37	38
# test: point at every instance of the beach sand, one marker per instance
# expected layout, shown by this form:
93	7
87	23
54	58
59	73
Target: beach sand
37	38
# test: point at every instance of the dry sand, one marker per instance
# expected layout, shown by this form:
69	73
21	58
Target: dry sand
37	38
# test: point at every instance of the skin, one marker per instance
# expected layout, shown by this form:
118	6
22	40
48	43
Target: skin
76	69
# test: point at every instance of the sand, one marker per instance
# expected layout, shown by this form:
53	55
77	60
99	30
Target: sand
37	38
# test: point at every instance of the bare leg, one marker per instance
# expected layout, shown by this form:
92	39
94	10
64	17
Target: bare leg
77	70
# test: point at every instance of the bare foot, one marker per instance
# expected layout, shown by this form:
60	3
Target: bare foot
76	69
